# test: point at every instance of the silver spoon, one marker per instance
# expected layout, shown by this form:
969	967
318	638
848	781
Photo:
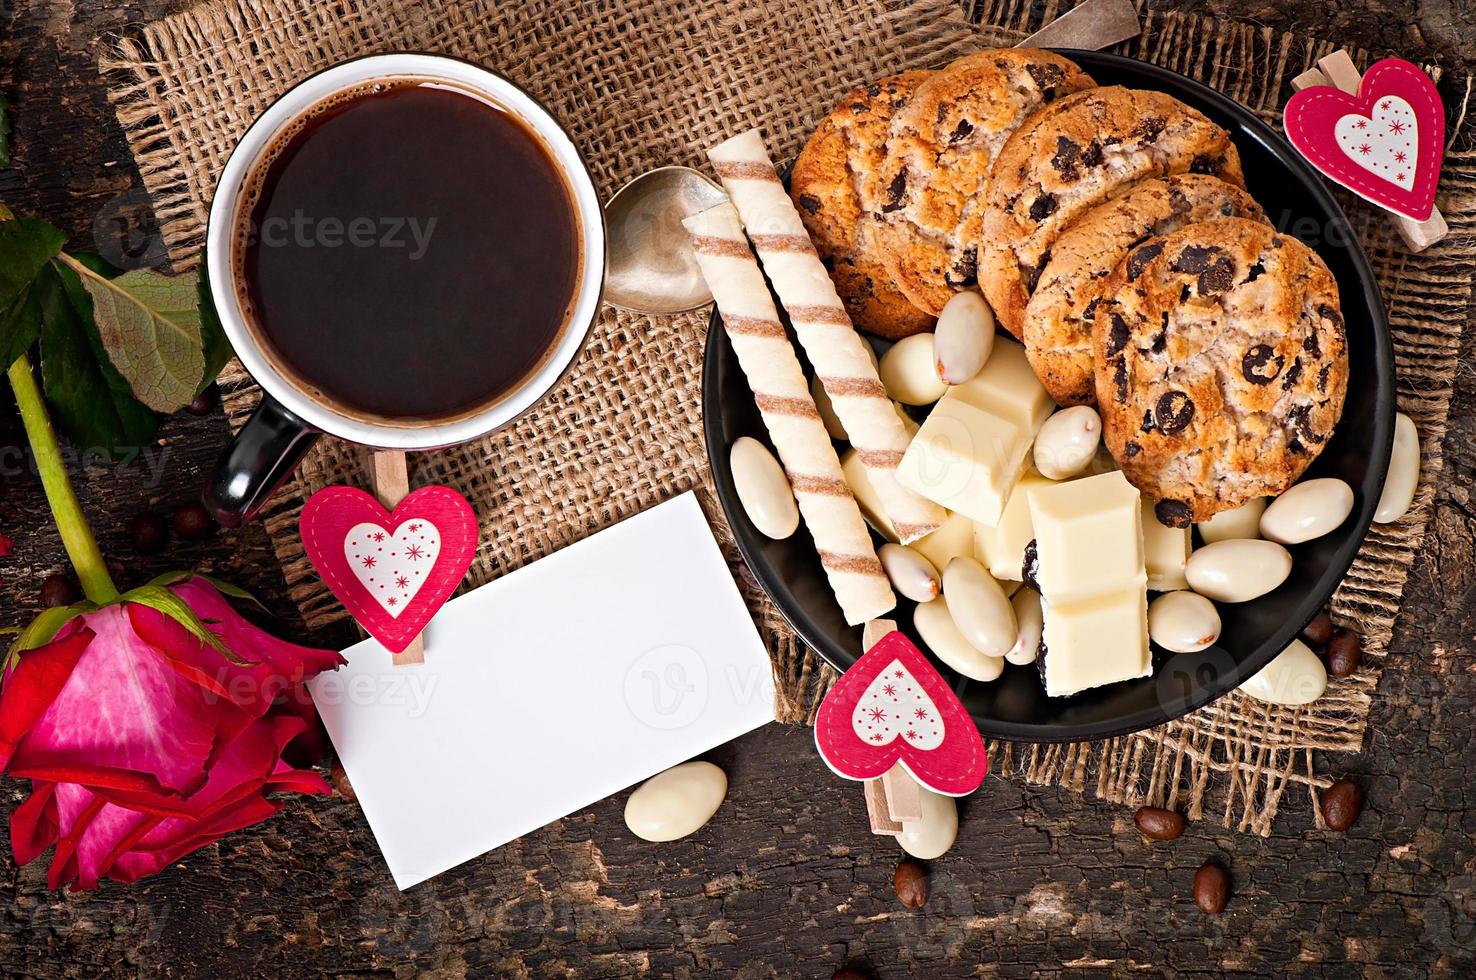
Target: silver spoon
651	268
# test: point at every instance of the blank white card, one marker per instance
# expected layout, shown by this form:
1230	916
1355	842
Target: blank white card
547	690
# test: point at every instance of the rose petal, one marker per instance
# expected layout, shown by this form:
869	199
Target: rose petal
32	686
34	825
123	709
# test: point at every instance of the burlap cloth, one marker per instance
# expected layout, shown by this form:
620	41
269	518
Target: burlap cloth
648	82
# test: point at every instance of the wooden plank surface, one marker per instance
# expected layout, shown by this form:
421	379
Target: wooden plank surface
788	880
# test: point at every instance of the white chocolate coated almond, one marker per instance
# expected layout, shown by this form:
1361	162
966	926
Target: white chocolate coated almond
1029	624
1183	622
672	804
934	834
1067	442
963	338
935	626
1294	676
1238	570
907	371
762	487
911	574
981	610
1404	472
1308	510
1238	522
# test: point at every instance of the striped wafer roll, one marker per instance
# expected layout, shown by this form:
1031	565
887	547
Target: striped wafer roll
838	353
794	425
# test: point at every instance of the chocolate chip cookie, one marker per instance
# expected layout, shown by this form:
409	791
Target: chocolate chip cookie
1058	319
1072	156
1221	365
846	148
941	146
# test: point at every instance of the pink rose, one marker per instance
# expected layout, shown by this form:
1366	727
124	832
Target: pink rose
143	744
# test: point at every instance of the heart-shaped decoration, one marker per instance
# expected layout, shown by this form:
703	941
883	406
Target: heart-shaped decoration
391	571
893	707
1384	144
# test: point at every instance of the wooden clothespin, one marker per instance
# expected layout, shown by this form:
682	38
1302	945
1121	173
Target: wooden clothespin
1338	70
391	484
893	798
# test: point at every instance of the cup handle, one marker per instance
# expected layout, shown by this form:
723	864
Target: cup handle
257	462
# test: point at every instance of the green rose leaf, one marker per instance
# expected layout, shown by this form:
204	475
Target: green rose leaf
26	246
150	326
91	401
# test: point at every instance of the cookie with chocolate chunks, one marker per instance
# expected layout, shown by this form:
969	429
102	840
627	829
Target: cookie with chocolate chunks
939	153
1058	320
845	150
1072	156
1221	365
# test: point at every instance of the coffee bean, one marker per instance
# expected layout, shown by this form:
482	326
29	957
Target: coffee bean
911	882
203	403
1320	630
59	590
148	532
1157	823
193	522
341	784
1344	653
1341	805
1211	888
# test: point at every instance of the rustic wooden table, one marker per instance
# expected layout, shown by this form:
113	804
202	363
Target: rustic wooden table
787	881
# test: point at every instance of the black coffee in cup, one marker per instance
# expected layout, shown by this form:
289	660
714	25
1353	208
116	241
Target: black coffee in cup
407	251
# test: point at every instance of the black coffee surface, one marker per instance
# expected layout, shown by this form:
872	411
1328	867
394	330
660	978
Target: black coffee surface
412	254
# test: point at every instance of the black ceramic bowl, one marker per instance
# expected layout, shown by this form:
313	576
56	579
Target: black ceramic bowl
1015	706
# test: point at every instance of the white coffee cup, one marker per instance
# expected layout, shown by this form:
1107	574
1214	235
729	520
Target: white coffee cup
289	418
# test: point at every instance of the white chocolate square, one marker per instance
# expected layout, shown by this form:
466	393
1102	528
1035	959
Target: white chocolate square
1098	641
954	538
1165	552
1008	387
966	458
1001	546
1089	537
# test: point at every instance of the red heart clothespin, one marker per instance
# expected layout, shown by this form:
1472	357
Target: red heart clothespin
891	717
391	571
1381	135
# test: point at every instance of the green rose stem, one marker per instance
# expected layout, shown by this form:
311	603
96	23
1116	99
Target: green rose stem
76	534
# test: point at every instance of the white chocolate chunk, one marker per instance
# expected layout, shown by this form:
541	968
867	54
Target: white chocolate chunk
955	539
965	458
1238	522
1096	641
973	447
1001	546
1007	386
1165	552
1093	582
1089	537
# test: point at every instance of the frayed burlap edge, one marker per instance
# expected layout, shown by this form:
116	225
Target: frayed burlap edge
1235	757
